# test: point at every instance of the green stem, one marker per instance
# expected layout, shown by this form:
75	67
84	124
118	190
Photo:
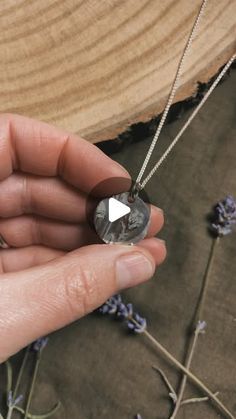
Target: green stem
198	317
23	364
40	416
10	411
18	381
9	376
36	368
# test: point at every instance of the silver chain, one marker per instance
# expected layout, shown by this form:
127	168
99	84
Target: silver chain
189	120
171	95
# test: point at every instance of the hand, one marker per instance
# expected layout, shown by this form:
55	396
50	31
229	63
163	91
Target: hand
52	274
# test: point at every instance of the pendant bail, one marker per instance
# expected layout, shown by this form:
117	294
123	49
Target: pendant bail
134	191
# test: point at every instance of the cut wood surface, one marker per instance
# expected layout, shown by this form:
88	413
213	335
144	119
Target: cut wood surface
94	67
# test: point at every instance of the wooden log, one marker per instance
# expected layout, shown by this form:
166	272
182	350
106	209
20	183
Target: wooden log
95	67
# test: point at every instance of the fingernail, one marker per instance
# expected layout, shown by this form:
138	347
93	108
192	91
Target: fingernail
132	269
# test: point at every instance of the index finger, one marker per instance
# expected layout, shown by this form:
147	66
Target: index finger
36	147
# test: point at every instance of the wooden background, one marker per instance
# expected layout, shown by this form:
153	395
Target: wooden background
94	367
96	66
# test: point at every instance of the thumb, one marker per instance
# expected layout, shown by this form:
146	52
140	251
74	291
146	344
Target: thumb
37	301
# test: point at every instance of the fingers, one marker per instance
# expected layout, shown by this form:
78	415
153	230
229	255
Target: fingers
156	247
12	260
38	148
50	197
27	230
53	198
156	221
42	299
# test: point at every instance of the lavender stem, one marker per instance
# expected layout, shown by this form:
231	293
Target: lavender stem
36	367
198	317
21	372
189	374
197	399
206	279
10	412
184	379
18	381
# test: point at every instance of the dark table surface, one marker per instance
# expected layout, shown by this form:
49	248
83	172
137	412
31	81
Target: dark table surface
94	367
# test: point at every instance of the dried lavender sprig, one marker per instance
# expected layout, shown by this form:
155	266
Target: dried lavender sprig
38	346
224	216
169	386
115	306
182	368
137	323
18	381
111	305
25	358
190	375
12	403
200	328
197	399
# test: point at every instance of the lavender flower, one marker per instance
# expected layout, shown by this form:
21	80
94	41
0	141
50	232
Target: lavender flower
201	326
40	344
137	326
13	402
224	216
111	305
124	312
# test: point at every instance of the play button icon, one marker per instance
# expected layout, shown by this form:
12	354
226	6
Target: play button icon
116	210
117	218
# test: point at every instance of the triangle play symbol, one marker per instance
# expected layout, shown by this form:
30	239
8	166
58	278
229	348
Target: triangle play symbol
116	210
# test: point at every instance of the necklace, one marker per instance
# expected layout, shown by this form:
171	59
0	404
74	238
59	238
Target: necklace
125	217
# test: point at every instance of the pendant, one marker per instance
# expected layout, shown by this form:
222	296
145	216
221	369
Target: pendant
119	219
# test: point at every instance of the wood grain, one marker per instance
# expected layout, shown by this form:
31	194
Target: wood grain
96	66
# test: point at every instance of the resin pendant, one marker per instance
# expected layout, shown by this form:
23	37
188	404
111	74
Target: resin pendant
117	220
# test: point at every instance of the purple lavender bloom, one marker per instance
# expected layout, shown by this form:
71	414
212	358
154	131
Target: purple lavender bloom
111	305
13	402
224	216
124	311
220	230
40	344
201	326
137	328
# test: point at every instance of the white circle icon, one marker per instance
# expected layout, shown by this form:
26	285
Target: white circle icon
116	210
